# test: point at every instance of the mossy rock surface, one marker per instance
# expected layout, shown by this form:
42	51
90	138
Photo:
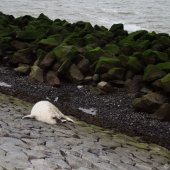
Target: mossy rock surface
116	73
134	64
165	82
164	66
112	49
152	73
105	63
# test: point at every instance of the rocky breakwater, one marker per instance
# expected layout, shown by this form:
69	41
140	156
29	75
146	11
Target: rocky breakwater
54	51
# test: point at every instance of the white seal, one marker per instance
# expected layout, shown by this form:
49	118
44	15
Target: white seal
45	111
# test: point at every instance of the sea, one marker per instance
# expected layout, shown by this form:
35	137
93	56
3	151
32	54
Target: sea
151	15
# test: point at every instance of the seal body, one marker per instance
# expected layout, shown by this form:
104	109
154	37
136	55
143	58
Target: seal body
45	111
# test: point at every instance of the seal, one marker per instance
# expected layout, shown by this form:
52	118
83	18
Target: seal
45	111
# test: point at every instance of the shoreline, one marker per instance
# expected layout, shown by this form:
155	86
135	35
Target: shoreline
113	111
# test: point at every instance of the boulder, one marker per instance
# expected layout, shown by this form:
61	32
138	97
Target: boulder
149	102
163	112
24	56
116	73
164	66
36	74
96	78
84	65
75	74
22	68
152	73
105	63
19	45
135	84
112	49
47	61
165	83
116	27
52	79
88	79
134	64
104	86
56	66
40	54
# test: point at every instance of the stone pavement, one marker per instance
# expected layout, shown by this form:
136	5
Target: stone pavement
28	145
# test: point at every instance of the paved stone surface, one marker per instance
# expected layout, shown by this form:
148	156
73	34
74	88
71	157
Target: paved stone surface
32	145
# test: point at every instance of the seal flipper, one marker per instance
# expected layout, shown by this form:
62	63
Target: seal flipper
29	116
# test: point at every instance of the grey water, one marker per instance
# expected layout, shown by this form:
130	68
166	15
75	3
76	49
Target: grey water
152	15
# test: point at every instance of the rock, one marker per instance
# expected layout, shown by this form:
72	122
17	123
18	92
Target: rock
164	66
96	77
47	60
105	86
51	41
116	73
19	45
23	68
36	74
165	83
88	79
152	57
75	74
149	102
134	64
106	63
56	66
116	27
163	112
52	79
24	56
135	84
152	73
84	65
112	49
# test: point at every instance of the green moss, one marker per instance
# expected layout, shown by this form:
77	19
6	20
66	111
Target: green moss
134	64
116	73
164	66
105	63
152	73
165	82
112	49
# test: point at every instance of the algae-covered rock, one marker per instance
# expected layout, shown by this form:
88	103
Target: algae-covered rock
149	102
105	63
152	73
40	54
116	73
51	41
112	49
164	66
75	74
47	61
23	56
52	79
134	64
163	112
19	45
116	27
93	54
63	52
152	57
22	69
36	74
165	83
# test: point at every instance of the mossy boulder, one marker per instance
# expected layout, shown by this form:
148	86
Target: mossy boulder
112	49
152	57
63	52
165	83
134	64
105	63
47	61
149	102
116	27
51	41
152	73
23	56
75	74
164	66
40	54
29	33
116	73
93	54
36	74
